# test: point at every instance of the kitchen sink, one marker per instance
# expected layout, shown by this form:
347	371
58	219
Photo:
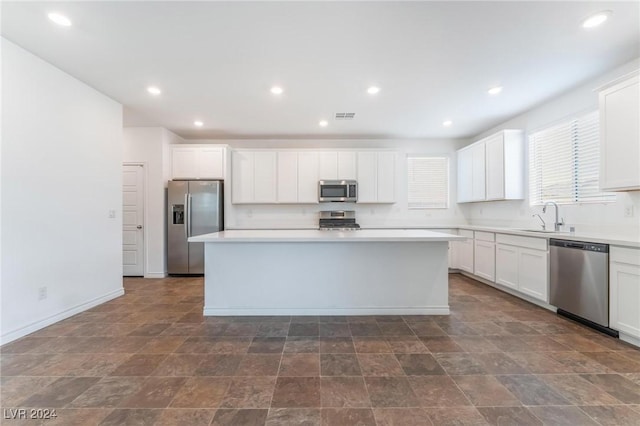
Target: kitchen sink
543	231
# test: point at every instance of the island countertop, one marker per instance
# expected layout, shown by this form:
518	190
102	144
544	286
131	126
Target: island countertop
314	235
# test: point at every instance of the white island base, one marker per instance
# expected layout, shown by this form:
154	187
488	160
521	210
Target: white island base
325	273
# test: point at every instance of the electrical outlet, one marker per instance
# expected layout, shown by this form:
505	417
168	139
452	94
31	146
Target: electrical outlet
42	293
112	214
628	210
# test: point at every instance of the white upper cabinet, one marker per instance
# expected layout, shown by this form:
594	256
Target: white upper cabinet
367	177
465	176
337	165
347	165
287	177
253	177
386	170
267	176
494	149
272	177
197	162
376	176
328	165
620	135
478	184
242	181
307	177
492	168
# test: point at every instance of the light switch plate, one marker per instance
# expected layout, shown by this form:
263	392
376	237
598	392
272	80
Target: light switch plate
112	214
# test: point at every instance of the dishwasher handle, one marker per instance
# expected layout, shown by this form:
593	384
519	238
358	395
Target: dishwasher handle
580	245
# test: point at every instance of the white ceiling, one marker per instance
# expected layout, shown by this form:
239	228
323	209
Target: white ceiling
216	61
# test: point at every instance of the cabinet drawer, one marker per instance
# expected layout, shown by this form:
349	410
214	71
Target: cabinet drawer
624	255
485	236
517	240
465	233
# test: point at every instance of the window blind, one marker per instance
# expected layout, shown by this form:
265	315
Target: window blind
564	163
428	179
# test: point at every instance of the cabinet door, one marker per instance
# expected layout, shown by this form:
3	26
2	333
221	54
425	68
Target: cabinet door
624	299
465	255
465	176
619	136
367	177
210	163
242	177
507	265
308	177
265	182
184	163
328	165
495	167
485	260
533	275
478	177
287	177
386	180
347	165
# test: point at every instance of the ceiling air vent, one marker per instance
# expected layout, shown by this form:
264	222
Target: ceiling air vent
345	115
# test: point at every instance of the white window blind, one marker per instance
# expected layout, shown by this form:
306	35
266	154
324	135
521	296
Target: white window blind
564	163
428	179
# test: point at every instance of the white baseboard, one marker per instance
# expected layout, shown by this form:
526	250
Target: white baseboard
511	292
425	310
37	325
629	339
155	275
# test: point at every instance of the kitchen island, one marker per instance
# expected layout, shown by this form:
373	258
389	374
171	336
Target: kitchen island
312	272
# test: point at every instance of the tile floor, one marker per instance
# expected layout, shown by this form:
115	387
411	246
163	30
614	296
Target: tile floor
150	357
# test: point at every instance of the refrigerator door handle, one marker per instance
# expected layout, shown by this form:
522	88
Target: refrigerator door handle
188	215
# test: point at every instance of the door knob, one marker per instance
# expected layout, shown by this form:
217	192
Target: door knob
139	226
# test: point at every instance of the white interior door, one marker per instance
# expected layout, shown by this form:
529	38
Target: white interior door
133	220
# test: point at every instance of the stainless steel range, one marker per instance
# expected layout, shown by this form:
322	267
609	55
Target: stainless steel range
339	220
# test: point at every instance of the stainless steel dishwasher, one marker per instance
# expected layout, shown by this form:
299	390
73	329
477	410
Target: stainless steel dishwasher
580	282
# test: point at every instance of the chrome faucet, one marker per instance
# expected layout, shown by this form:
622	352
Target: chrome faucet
544	225
558	223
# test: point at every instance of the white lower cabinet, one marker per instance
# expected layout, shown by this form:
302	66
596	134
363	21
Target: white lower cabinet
532	273
464	251
522	263
624	291
507	265
485	255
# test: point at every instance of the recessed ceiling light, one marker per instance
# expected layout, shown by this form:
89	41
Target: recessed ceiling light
447	123
60	19
198	123
373	90
276	90
323	123
495	90
154	90
596	19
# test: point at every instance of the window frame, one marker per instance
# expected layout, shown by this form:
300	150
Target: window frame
429	205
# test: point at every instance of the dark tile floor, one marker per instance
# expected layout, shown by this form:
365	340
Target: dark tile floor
150	357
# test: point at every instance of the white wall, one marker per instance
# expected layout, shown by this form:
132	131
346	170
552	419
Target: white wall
589	218
61	174
150	146
369	215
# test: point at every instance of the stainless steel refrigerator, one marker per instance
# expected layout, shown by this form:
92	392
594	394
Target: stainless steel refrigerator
194	207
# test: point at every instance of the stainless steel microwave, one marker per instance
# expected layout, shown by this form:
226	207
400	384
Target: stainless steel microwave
337	191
